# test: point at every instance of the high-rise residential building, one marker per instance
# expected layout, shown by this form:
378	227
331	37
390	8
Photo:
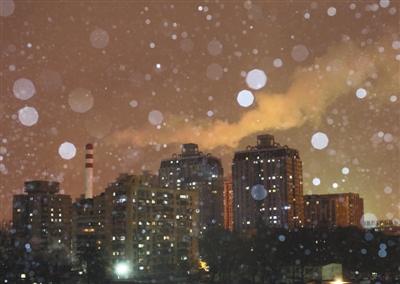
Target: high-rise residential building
228	204
88	214
267	186
333	210
151	227
194	171
42	217
88	225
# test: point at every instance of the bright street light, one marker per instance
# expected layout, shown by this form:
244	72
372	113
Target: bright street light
122	269
338	281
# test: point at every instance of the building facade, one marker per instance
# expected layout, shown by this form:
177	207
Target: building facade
88	232
42	216
194	171
333	210
267	186
389	227
228	204
153	228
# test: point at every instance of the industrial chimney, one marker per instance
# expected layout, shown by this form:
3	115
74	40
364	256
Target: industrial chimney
89	171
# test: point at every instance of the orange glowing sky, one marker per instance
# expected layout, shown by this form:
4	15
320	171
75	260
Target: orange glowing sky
137	79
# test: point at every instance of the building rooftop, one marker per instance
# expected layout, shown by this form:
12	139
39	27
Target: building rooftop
327	195
41	186
190	149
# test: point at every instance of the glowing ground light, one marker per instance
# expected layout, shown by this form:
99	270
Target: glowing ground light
122	269
245	98
316	181
258	192
67	150
319	140
361	93
256	79
28	116
204	266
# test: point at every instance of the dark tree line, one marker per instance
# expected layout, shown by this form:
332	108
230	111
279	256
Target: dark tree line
21	263
268	255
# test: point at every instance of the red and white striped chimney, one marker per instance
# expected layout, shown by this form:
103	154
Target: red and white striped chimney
89	171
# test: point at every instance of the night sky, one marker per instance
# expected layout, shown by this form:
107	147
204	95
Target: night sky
138	78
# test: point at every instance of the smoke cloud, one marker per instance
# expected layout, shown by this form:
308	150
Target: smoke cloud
342	70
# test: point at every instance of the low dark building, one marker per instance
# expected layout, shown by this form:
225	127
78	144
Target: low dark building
42	217
333	210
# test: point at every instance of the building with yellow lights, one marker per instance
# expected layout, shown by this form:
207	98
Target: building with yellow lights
275	171
333	210
42	216
153	228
